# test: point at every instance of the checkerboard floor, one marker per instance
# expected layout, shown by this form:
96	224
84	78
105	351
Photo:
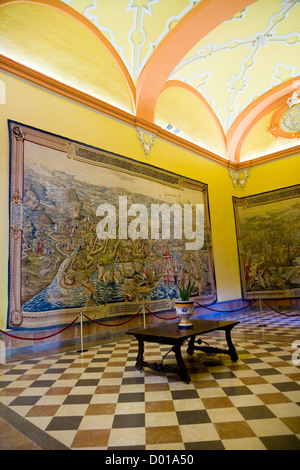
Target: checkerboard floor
97	400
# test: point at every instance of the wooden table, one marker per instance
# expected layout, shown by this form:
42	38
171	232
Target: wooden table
169	333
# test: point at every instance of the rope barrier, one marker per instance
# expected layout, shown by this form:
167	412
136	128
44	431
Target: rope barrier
134	316
119	324
246	306
280	313
173	318
226	311
38	339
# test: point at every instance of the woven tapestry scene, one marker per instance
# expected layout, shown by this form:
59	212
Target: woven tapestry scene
268	234
60	265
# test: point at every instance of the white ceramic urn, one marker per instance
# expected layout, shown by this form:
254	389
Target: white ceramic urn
185	310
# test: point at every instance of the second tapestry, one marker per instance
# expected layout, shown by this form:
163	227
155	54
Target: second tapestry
268	234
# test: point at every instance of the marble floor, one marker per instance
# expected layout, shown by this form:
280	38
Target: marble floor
72	400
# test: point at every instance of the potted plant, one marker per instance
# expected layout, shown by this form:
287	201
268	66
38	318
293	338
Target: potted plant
185	306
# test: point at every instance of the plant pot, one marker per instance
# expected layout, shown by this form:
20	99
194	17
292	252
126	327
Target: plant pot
185	310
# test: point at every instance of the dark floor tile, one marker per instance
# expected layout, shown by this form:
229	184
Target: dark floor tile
184	394
208	445
42	383
55	371
133	380
131	397
78	399
285	442
238	390
193	417
64	361
16	372
24	401
87	382
30	361
256	412
94	370
64	423
223	375
287	386
267	371
4	384
285	357
129	421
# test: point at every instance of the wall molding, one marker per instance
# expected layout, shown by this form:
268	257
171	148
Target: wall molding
54	86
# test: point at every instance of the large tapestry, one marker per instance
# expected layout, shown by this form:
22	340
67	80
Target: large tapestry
85	236
268	233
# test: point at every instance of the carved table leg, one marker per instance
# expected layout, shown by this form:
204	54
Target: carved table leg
231	349
182	370
191	346
140	357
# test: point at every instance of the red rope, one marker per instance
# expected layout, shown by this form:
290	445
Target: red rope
119	324
131	318
173	318
226	311
280	313
38	339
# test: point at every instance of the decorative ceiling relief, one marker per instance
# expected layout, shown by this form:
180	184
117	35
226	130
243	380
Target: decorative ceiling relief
134	27
239	177
214	73
290	121
246	52
285	121
146	139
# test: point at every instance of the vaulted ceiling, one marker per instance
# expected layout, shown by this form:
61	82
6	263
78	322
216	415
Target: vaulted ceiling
220	77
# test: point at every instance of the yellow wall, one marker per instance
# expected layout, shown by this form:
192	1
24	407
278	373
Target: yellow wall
35	107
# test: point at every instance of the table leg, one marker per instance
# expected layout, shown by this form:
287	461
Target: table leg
231	349
182	370
140	357
191	345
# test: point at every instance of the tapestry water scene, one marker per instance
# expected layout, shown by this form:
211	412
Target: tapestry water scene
95	232
268	234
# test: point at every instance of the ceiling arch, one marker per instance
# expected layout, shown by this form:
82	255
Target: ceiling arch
31	29
256	111
201	122
235	62
196	24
